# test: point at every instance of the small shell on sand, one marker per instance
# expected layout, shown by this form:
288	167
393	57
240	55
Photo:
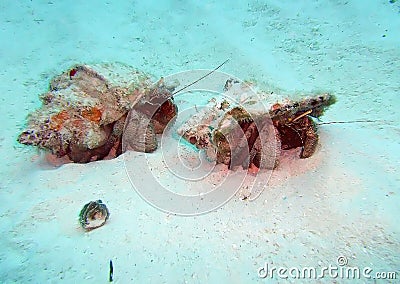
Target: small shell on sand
93	215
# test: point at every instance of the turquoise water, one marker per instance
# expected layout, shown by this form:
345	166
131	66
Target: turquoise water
344	201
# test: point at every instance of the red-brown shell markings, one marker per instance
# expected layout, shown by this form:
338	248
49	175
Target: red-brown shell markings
57	120
92	114
72	72
276	106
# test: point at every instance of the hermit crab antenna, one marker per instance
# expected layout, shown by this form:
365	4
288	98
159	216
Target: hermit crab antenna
201	78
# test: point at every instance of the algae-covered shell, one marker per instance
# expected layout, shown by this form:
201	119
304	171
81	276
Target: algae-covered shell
80	109
93	215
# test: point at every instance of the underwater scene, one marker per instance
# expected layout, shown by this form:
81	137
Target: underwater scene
200	141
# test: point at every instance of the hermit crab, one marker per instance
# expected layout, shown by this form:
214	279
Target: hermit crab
246	135
90	109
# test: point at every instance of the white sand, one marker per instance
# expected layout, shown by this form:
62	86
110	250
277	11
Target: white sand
342	201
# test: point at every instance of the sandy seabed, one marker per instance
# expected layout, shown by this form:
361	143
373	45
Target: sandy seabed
343	201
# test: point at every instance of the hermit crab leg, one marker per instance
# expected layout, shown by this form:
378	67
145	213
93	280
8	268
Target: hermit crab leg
302	115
